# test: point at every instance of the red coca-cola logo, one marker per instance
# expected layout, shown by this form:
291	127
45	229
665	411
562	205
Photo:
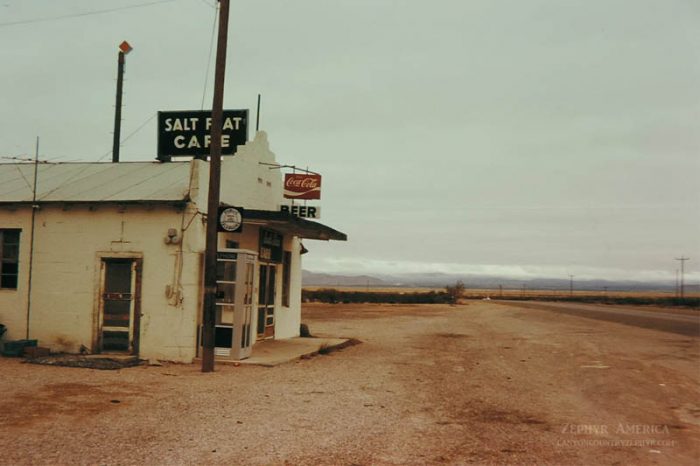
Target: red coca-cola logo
302	186
306	182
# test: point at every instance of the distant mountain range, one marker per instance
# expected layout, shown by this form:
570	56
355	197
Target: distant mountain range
325	279
437	280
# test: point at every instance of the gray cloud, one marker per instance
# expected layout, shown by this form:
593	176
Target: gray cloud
550	134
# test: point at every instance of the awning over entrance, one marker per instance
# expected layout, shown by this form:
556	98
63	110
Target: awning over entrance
285	222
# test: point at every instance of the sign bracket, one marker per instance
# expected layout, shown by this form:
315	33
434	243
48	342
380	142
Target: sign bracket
276	166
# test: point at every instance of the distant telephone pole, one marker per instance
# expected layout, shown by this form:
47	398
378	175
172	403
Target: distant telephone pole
677	290
682	259
571	285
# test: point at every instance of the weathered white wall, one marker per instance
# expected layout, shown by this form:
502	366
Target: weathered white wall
288	319
13	303
69	243
169	325
65	295
244	182
247	239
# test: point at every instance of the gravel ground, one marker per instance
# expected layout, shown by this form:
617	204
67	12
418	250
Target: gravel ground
430	384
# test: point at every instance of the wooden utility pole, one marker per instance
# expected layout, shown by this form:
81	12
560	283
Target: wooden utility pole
209	307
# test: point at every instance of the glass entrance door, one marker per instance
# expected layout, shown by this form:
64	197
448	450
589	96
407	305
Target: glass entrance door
243	313
266	301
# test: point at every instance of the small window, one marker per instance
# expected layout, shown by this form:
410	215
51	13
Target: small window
286	277
9	258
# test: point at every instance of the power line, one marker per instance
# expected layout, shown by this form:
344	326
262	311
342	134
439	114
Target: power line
141	126
109	152
209	4
29	185
211	48
124	139
86	13
21	158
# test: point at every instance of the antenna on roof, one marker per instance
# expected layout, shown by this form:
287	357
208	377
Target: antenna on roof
124	48
35	206
257	116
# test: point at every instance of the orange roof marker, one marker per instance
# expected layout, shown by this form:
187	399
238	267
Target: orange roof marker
125	47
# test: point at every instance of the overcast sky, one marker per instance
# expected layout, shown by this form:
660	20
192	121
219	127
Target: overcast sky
517	137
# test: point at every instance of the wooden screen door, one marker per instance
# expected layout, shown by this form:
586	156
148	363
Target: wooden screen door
119	306
266	301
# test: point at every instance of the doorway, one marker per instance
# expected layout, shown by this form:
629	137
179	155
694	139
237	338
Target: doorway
119	306
266	301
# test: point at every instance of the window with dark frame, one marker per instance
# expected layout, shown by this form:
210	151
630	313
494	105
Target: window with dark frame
271	246
9	258
286	277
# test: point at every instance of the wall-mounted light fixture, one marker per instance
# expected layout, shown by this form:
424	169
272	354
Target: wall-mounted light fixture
172	237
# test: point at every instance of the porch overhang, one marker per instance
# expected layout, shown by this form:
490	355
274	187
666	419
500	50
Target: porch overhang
285	222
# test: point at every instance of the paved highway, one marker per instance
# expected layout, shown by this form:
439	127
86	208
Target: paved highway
679	321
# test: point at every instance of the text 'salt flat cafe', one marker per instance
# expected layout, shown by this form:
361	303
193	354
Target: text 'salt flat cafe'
109	257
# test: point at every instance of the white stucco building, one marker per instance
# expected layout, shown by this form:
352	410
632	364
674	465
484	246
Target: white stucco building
110	256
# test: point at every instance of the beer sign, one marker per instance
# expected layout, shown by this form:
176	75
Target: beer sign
302	211
302	186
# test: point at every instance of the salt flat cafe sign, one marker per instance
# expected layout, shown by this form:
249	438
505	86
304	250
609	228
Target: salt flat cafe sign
183	133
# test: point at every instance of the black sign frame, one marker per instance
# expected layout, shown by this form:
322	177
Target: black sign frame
220	227
271	246
187	133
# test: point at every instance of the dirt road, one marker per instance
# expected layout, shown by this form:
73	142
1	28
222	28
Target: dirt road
481	383
677	320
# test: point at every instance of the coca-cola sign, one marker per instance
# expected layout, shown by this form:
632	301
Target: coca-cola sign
302	186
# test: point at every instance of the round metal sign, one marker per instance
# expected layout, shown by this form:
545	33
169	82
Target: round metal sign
230	219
